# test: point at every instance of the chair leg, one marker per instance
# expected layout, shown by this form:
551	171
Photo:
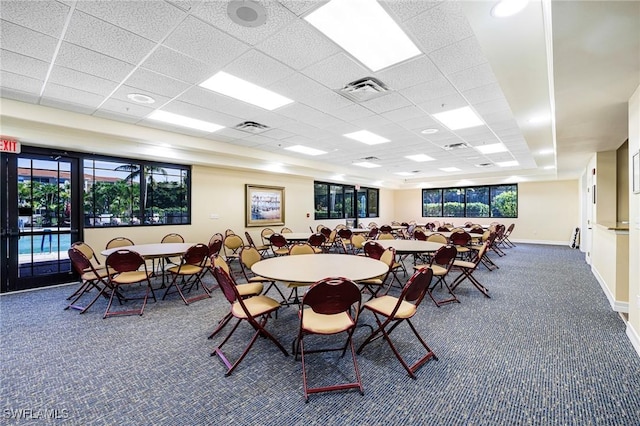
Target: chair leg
466	273
438	303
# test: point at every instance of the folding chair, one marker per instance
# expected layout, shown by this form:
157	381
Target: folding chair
373	285
467	269
189	271
279	245
461	240
244	290
126	267
441	263
248	257
504	241
391	311
90	279
255	310
232	245
330	307
263	249
317	240
119	242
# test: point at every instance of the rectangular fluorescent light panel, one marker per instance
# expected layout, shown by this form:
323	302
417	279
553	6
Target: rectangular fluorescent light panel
367	165
451	169
365	30
460	118
508	163
367	137
242	90
305	150
420	158
404	173
183	121
491	148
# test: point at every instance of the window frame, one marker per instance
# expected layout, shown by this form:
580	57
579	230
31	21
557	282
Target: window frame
491	204
347	194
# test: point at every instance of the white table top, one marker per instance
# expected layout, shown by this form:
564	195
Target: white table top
410	246
296	236
309	268
153	250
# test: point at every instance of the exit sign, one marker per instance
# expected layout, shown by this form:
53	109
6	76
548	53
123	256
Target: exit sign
9	145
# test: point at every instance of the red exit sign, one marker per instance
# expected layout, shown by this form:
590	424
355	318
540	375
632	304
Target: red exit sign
9	145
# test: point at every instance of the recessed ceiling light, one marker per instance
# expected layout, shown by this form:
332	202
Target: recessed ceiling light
247	13
546	152
366	164
365	30
140	98
450	169
429	131
367	137
512	163
183	121
506	8
460	118
491	148
305	150
420	158
245	91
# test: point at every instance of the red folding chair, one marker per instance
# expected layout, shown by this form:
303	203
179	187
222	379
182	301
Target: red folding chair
126	267
189	272
91	278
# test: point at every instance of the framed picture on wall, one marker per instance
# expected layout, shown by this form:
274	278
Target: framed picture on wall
635	163
264	205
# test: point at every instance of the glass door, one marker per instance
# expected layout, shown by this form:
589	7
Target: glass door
40	197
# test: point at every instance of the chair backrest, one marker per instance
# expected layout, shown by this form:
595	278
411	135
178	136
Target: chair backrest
285	230
372	225
277	240
415	289
333	296
480	253
443	229
265	234
373	232
460	238
326	232
430	226
215	246
345	233
510	229
119	242
340	226
444	256
227	285
418	234
124	261
302	248
172	238
219	261
196	254
250	242
249	256
476	229
79	260
357	241
386	236
216	236
319	227
317	239
229	232
233	242
437	238
388	257
386	228
86	250
373	249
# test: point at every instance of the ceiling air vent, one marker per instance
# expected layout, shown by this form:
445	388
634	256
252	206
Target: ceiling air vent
251	127
459	145
481	165
364	89
369	158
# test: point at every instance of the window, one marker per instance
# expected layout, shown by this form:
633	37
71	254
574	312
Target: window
123	192
334	201
476	201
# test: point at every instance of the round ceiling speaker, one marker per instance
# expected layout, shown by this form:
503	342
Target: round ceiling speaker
247	13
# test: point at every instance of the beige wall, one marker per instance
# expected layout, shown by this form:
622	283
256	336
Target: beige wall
548	212
622	177
633	326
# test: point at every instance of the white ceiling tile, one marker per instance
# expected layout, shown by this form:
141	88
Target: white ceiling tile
200	113
429	90
20	64
97	35
47	17
68	94
20	83
27	42
337	71
386	102
270	119
407	9
445	103
258	68
470	78
90	62
300	7
278	134
171	128
409	73
15	94
79	80
205	43
176	65
67	105
215	12
404	113
152	82
458	56
352	112
439	26
148	18
205	98
298	45
112	115
485	93
495	105
125	109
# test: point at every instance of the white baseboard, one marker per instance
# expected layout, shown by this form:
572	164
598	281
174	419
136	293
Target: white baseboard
548	242
633	336
616	305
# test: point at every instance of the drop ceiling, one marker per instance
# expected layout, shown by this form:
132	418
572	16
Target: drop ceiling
550	83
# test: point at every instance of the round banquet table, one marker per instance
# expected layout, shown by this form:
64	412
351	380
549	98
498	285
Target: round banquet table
150	251
410	246
296	236
309	268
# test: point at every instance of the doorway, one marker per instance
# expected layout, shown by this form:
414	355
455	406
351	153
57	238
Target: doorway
41	197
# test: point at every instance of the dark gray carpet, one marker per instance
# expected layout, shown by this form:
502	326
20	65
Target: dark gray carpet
545	349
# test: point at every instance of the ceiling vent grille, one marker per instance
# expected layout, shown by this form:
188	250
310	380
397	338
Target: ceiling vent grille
453	146
364	89
370	158
482	165
251	127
